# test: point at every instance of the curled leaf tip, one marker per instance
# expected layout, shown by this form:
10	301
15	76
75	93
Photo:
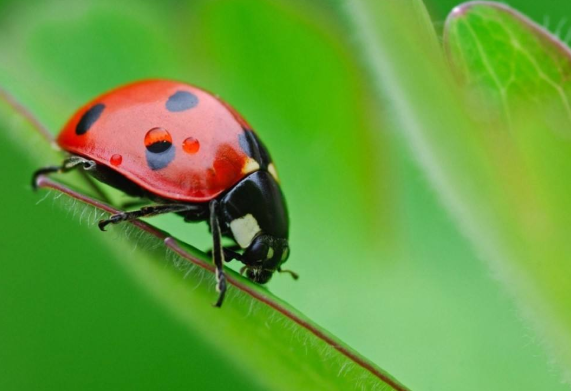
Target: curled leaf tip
463	9
459	10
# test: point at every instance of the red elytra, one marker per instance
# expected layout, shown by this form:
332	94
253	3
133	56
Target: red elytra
170	138
193	155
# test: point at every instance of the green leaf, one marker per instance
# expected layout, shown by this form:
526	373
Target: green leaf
499	183
518	73
510	59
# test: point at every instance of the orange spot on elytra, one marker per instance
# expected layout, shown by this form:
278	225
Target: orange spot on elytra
190	145
116	160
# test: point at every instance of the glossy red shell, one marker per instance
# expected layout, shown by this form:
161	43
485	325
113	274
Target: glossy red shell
205	157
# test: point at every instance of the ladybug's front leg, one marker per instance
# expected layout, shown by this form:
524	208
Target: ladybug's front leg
230	253
217	253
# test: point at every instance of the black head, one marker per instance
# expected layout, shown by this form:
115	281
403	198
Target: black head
254	214
264	256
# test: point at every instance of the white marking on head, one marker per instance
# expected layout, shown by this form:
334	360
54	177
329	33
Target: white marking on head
270	253
245	230
272	170
250	166
285	254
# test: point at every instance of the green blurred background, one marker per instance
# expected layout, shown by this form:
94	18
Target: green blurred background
383	267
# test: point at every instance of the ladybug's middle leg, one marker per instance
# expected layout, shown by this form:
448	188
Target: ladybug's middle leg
147	211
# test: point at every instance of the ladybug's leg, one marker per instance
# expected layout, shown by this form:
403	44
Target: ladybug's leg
230	253
68	164
217	252
133	204
147	211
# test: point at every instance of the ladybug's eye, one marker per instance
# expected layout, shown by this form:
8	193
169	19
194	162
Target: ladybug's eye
158	140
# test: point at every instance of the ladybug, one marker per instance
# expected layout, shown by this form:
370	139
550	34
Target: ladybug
189	153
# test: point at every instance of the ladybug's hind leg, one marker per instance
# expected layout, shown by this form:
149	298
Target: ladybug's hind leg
217	253
68	164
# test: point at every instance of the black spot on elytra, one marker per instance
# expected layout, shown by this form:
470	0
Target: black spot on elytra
89	118
254	148
159	160
181	101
